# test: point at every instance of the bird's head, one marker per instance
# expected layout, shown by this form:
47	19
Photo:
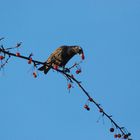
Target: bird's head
79	50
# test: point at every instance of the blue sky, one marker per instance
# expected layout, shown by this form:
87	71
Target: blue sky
42	108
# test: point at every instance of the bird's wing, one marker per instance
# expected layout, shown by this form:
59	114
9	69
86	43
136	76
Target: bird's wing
56	56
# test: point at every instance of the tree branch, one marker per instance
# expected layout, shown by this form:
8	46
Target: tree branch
122	131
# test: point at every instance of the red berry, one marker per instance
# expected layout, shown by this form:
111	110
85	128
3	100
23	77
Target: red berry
86	107
101	110
55	67
111	129
69	86
34	74
30	61
17	54
125	136
78	71
115	136
83	57
119	135
90	99
1	57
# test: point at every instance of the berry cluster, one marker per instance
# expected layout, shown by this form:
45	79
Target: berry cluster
120	135
4	59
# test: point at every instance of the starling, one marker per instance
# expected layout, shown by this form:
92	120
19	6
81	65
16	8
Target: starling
61	56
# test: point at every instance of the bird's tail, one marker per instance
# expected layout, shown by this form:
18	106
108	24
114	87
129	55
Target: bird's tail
45	69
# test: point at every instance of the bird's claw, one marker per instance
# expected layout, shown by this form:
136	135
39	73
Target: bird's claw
66	70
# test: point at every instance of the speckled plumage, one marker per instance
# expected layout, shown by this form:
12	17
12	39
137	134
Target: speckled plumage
61	56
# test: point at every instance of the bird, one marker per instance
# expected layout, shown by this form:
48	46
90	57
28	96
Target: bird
61	56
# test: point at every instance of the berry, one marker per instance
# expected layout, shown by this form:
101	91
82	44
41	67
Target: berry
125	136
101	110
1	57
86	107
78	71
55	67
69	86
90	99
115	136
17	54
30	61
34	74
119	135
111	129
83	57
